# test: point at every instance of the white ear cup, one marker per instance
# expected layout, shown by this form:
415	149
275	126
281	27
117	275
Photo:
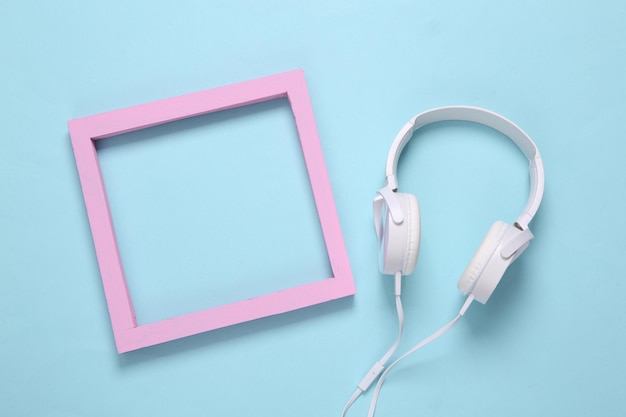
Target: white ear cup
472	273
398	244
413	235
502	245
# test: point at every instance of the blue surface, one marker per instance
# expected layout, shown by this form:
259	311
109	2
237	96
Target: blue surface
189	213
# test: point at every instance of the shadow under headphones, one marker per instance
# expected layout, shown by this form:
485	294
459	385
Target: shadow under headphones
397	215
397	223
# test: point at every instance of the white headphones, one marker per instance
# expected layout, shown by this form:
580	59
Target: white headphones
397	222
397	215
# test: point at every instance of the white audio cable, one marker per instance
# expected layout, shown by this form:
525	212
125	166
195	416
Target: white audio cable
420	345
378	367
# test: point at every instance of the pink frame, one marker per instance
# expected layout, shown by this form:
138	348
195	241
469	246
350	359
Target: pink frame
85	131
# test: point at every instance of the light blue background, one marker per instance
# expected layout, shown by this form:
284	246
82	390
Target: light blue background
218	208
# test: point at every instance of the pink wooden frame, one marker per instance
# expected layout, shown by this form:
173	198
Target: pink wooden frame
85	131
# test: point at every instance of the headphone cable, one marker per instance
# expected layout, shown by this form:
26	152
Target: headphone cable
379	366
420	345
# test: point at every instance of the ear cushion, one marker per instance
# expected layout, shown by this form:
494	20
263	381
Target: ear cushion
398	243
476	266
412	214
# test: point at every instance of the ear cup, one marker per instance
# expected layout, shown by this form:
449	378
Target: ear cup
413	234
474	269
399	243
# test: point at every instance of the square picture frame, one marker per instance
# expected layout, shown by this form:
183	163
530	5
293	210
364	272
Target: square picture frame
85	131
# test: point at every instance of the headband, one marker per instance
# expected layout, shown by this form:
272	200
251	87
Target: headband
486	118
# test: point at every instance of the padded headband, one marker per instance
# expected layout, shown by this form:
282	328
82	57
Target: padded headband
483	117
